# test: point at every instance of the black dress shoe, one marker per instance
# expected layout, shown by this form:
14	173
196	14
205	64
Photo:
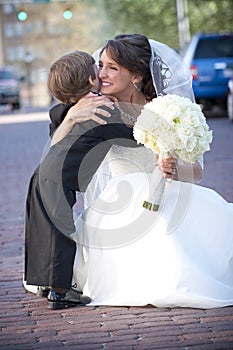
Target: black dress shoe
42	291
69	299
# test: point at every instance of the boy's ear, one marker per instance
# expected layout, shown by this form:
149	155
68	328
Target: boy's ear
91	81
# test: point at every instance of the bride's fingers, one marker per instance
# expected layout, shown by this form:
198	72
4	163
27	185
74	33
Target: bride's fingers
168	176
168	167
101	112
170	170
99	100
98	113
156	160
89	107
93	113
99	120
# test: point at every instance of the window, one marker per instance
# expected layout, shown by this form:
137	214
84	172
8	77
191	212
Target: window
8	9
9	30
215	47
5	74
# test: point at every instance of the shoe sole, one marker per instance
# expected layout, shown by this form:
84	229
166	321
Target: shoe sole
55	305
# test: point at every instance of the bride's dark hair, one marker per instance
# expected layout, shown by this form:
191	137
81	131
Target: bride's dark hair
133	52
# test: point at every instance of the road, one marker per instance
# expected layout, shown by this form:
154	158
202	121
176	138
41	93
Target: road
26	323
218	161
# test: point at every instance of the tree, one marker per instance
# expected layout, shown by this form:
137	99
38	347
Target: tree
210	16
158	18
154	18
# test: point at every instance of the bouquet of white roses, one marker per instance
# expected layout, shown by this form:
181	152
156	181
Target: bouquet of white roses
175	126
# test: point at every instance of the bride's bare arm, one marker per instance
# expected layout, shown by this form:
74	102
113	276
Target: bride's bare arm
85	109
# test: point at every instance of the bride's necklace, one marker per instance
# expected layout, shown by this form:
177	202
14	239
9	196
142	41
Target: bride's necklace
127	118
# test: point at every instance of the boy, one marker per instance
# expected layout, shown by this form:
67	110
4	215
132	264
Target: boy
75	154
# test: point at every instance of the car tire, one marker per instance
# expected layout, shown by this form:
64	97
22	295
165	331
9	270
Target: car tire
230	107
16	106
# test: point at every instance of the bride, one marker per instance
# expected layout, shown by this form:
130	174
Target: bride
180	255
127	255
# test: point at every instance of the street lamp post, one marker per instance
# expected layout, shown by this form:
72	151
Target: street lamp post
183	22
28	59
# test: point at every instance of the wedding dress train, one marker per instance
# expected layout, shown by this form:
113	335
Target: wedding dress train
181	255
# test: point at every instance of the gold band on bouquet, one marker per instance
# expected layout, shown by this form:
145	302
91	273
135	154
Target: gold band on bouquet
150	206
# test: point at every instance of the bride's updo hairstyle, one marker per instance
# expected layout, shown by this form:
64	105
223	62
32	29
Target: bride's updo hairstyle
133	52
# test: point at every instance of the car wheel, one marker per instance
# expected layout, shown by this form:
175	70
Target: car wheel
15	106
230	106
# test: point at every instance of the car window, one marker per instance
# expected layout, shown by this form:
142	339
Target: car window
214	48
5	74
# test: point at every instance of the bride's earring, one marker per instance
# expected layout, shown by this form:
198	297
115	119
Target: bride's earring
136	87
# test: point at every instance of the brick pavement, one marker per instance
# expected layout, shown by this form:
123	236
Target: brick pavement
25	321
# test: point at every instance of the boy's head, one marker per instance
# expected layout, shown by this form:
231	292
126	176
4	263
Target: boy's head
72	76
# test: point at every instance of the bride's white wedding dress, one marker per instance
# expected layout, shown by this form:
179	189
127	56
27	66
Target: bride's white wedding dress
181	255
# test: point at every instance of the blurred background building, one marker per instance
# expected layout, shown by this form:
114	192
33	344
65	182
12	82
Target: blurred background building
34	33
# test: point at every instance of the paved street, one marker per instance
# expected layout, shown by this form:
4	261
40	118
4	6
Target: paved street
27	324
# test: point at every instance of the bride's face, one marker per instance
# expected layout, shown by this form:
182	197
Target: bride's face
115	80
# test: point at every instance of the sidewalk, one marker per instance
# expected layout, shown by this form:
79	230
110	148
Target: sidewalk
27	324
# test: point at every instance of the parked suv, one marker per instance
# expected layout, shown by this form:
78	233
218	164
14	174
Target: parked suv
210	58
230	100
9	88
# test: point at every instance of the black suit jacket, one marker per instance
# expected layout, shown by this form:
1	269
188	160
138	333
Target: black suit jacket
74	160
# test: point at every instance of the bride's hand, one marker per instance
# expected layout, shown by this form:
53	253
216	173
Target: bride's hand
85	109
88	107
168	167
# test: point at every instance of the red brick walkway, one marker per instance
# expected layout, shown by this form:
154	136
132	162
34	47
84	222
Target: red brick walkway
25	321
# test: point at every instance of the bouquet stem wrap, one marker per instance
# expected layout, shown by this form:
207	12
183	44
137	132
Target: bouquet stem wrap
156	188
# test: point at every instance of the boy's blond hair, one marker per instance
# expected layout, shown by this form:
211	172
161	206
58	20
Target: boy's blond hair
68	78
